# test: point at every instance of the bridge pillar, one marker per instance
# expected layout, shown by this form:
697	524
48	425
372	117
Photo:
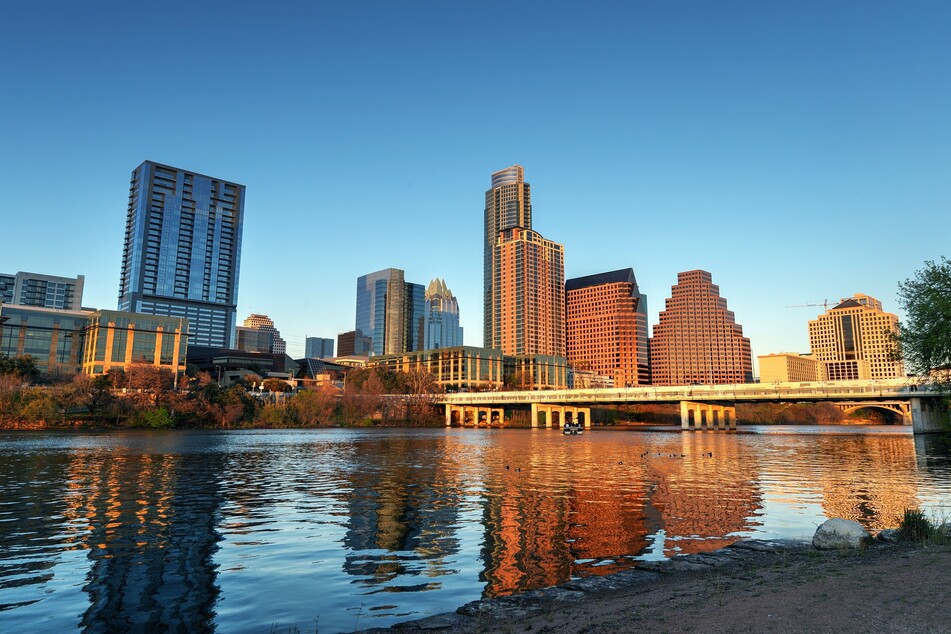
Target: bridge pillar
928	416
449	409
707	416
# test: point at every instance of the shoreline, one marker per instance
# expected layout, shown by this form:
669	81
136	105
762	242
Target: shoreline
748	586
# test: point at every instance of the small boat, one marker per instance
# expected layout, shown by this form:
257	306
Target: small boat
572	429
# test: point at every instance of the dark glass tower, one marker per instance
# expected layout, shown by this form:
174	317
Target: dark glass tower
182	250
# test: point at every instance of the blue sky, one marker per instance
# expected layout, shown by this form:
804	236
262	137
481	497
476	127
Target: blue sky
799	151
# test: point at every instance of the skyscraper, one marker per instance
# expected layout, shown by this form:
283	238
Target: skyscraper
698	339
442	317
853	341
182	250
524	281
391	312
606	327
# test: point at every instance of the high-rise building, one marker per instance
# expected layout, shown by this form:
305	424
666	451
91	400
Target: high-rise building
45	291
182	250
442	317
391	312
698	339
318	348
508	203
854	341
353	343
524	274
254	342
606	327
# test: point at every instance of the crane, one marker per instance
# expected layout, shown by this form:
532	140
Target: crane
824	304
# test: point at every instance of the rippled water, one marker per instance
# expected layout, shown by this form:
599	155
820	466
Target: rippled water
264	531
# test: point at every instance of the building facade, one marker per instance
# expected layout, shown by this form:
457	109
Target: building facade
854	341
44	291
391	312
529	291
254	340
353	343
442	317
783	367
318	348
262	324
92	341
698	339
182	250
606	327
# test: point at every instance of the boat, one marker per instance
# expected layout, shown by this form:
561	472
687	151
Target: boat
572	429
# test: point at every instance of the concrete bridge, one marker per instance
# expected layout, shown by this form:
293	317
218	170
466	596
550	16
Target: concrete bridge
701	406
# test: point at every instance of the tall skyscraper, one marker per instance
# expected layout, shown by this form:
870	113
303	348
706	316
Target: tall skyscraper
442	317
318	348
45	291
606	327
853	341
391	312
524	274
259	335
182	250
698	339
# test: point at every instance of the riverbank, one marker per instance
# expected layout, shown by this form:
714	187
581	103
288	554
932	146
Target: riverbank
751	586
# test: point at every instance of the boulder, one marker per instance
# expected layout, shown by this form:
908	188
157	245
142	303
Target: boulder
889	536
837	533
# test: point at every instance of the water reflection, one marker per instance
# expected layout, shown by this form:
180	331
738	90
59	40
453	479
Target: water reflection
255	531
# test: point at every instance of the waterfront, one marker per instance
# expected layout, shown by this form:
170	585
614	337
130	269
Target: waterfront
242	531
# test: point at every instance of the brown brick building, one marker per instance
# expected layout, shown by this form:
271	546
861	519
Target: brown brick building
606	327
698	339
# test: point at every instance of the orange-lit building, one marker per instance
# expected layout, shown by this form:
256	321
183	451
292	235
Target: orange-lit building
524	274
529	290
854	341
606	327
698	339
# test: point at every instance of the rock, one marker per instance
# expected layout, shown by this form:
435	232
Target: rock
838	533
889	536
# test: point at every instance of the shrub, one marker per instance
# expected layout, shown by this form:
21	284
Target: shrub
915	526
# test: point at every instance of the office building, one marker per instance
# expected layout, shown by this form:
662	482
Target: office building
442	317
606	327
524	281
854	341
259	335
508	203
391	312
353	343
91	341
182	250
318	348
698	339
783	367
44	291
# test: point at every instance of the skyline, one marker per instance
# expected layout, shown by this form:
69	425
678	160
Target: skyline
776	147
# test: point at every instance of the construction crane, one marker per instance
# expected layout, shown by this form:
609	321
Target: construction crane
824	304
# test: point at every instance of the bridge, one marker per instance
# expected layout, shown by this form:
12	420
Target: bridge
701	406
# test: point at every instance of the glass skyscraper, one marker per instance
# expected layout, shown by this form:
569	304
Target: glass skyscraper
182	250
391	312
442	317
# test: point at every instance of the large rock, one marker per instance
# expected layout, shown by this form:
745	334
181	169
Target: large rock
837	533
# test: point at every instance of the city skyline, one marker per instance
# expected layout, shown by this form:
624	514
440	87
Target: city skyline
778	148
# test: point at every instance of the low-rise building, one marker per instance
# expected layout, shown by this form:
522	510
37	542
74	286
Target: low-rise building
787	366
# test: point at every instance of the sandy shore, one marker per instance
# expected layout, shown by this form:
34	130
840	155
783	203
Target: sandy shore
748	587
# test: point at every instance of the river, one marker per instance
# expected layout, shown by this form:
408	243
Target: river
337	530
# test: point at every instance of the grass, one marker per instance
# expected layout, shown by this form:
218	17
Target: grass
917	527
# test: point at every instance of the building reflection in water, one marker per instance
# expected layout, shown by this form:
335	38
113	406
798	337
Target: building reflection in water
150	539
403	503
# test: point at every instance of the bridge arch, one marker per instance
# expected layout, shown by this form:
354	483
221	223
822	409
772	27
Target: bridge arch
897	413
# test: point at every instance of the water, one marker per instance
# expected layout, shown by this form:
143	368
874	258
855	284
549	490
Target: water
261	531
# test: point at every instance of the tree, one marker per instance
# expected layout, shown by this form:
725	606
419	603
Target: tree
924	340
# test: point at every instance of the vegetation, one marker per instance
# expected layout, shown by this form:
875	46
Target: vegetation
915	526
148	397
924	341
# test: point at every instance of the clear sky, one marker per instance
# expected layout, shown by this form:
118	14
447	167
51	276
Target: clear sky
800	151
